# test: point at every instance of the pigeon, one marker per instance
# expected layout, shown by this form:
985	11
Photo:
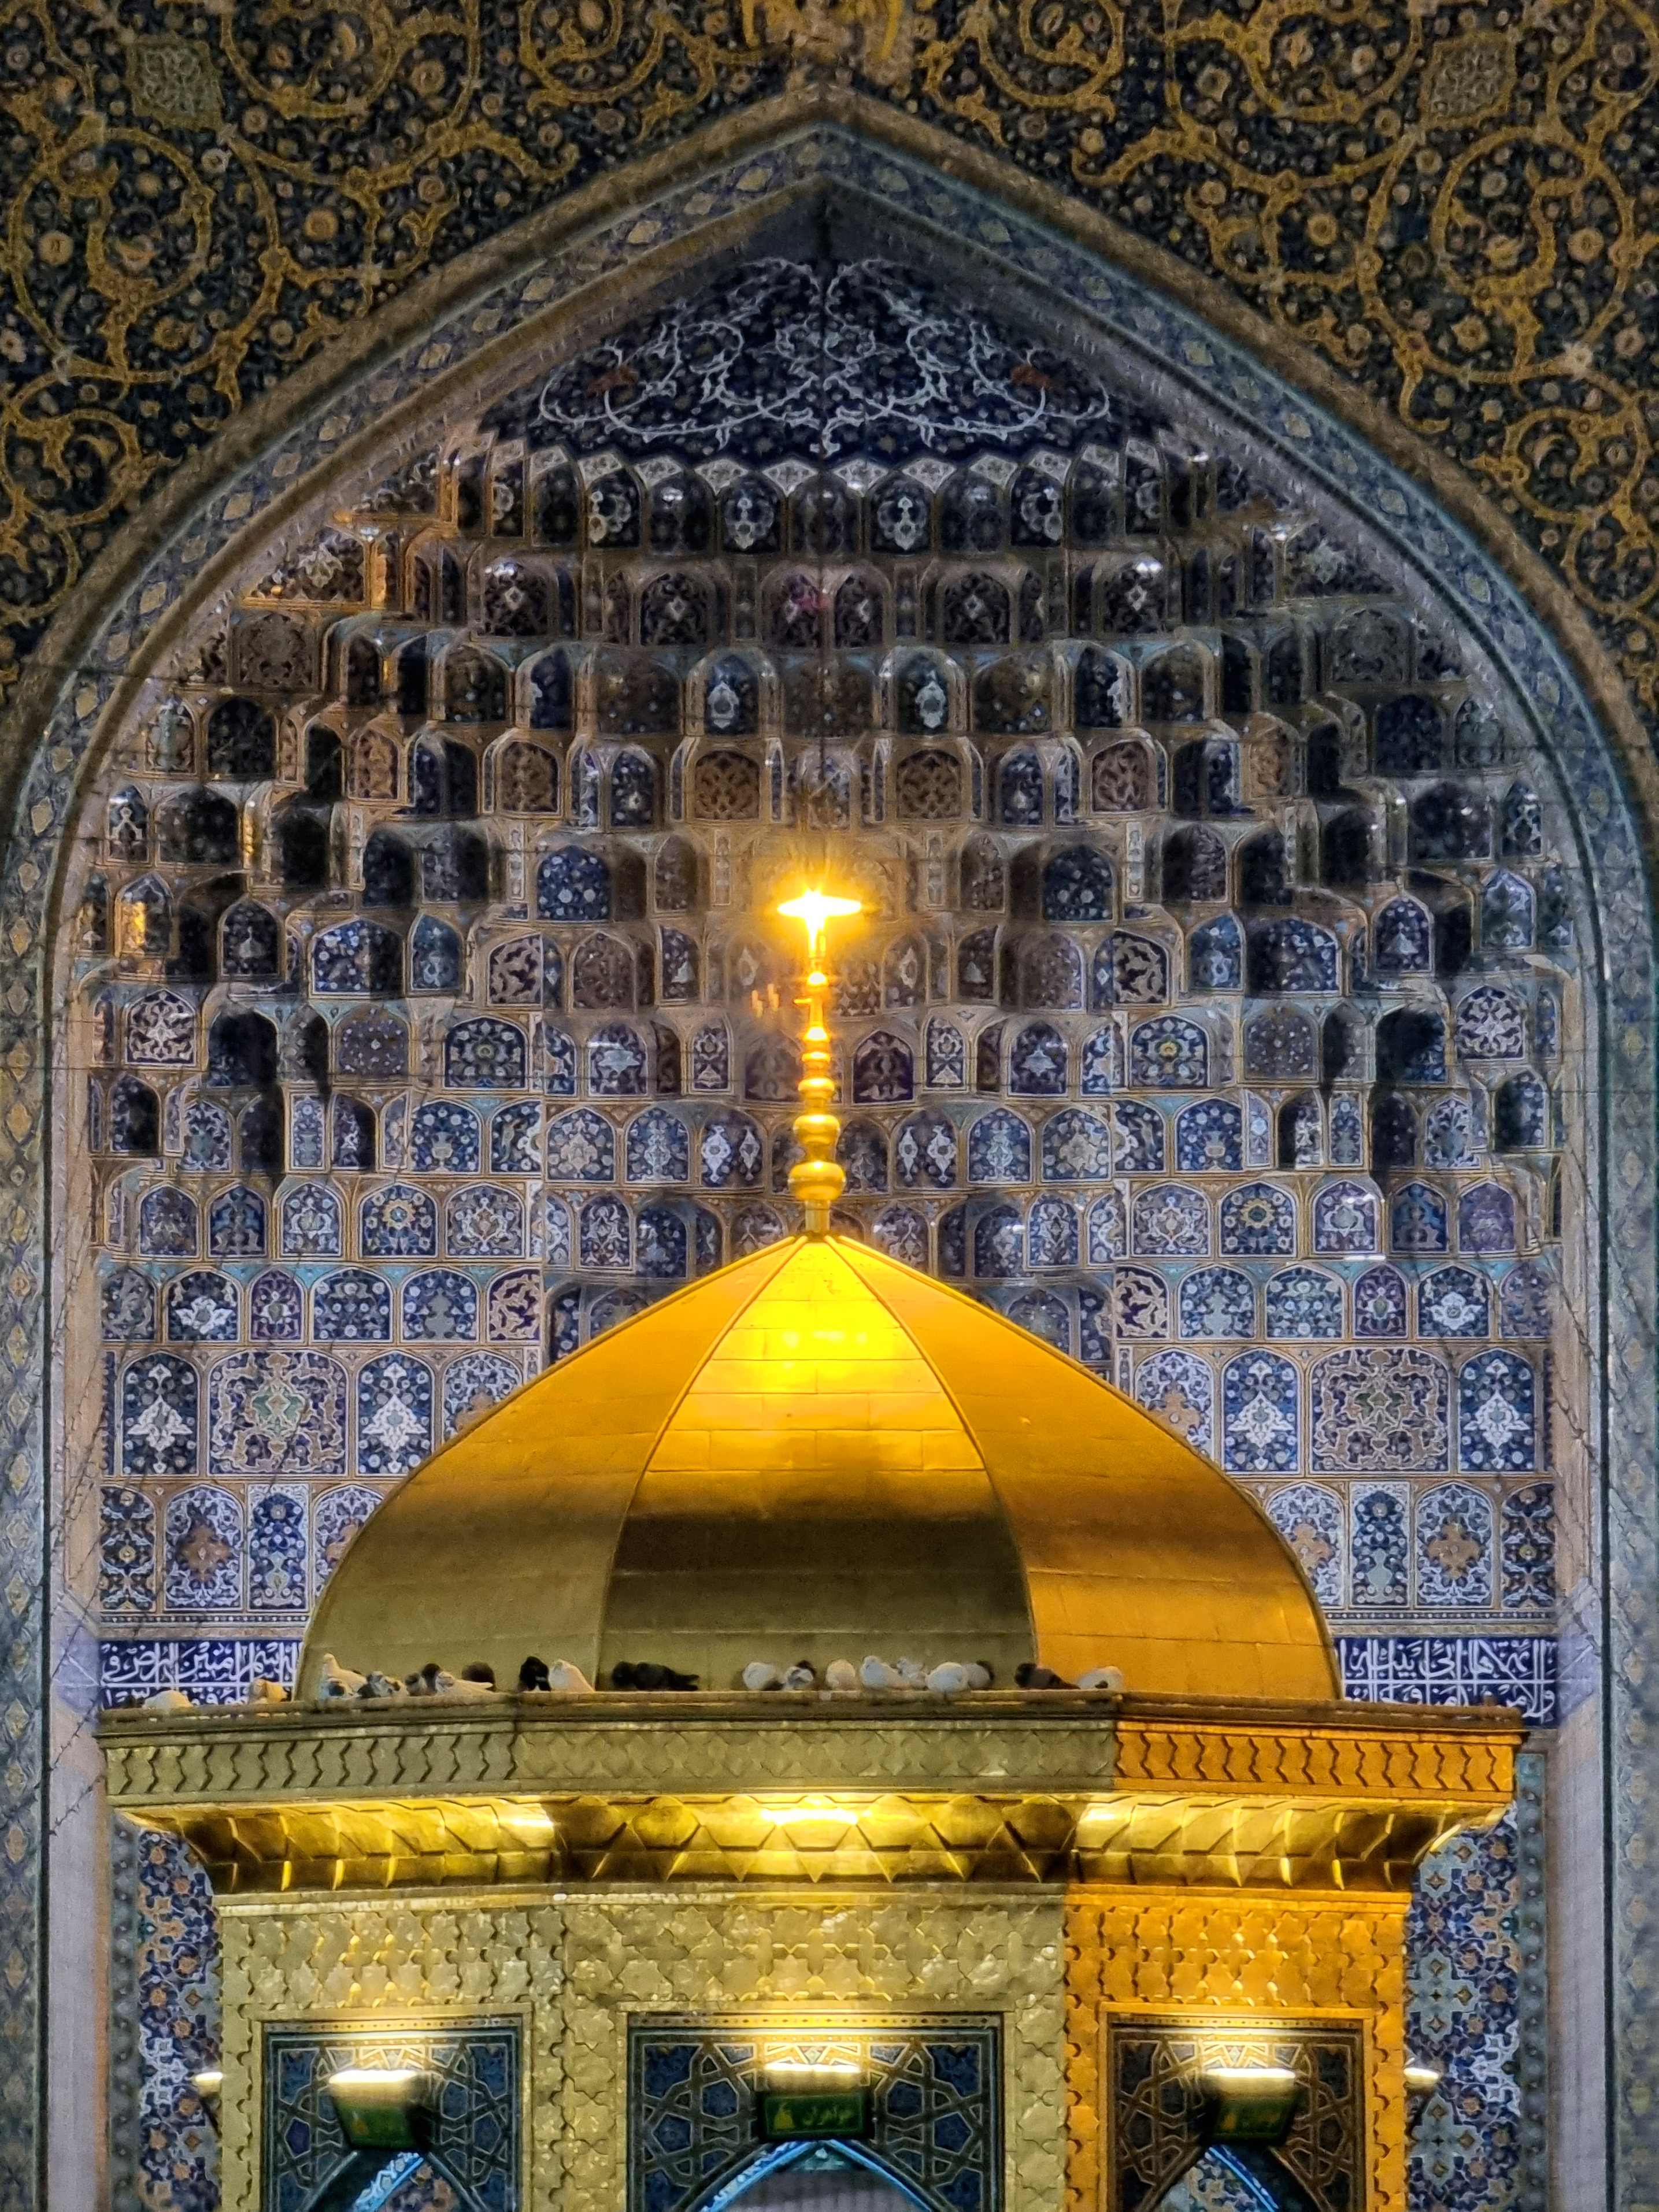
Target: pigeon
951	1675
842	1676
433	1681
762	1675
167	1701
262	1690
912	1674
479	1672
980	1676
875	1675
381	1686
338	1681
565	1674
1031	1676
1101	1678
532	1675
648	1674
801	1676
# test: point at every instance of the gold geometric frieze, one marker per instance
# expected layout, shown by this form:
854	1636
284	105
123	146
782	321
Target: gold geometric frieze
1220	1967
710	1744
1465	1756
862	1838
702	1741
580	1970
707	1788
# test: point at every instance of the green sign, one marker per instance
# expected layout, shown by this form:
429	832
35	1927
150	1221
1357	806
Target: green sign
377	2127
1256	2118
796	2115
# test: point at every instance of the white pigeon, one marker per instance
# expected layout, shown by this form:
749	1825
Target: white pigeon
951	1675
1101	1678
262	1690
761	1675
457	1685
842	1676
167	1701
911	1673
875	1675
338	1681
565	1674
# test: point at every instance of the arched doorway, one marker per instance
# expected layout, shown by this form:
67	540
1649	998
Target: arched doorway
354	851
822	2177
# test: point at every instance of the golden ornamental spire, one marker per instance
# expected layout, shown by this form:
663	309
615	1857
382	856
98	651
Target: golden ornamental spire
818	1180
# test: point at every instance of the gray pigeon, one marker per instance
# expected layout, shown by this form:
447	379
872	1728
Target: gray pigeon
338	1681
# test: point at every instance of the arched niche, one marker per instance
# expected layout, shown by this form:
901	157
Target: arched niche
1070	301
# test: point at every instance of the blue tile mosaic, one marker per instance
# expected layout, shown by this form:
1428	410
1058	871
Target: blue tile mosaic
935	2097
477	2064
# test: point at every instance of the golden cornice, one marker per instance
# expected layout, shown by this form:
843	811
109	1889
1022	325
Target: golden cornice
888	1840
707	1789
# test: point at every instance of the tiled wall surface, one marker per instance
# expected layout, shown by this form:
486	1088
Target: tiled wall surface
1210	1018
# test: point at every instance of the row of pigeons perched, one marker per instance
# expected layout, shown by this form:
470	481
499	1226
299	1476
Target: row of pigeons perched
840	1678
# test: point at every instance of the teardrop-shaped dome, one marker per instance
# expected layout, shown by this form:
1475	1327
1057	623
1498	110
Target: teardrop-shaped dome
815	1454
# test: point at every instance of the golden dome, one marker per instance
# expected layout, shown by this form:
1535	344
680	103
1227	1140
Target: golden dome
815	1454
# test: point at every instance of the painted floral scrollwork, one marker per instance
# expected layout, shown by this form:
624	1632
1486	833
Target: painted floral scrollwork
1450	213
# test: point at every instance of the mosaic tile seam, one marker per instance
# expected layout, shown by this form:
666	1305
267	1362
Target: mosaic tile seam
164	2025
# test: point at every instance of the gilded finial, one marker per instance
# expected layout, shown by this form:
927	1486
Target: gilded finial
818	1180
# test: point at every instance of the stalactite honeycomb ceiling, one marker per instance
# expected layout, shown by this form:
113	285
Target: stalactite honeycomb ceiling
1208	1019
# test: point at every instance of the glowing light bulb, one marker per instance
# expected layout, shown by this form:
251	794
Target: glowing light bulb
815	909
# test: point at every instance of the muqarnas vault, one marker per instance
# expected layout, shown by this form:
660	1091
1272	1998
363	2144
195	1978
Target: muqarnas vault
1208	1020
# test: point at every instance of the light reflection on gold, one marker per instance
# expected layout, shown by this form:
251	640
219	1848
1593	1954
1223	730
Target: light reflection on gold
1358	1846
817	1178
813	1811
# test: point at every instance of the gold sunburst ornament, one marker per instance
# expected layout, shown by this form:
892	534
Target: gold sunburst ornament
818	1180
